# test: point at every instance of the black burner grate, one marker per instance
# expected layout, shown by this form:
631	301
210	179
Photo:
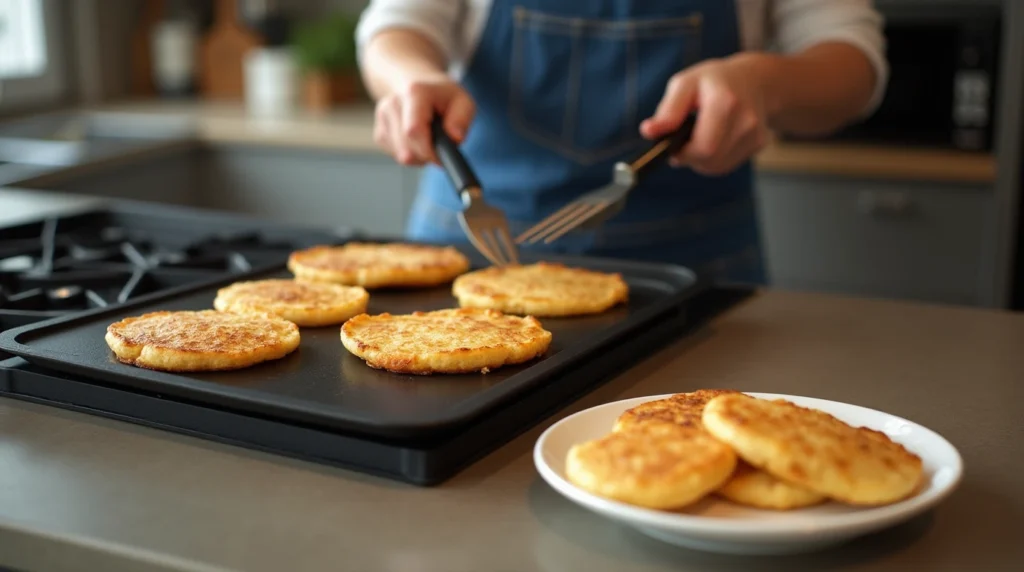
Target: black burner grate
61	265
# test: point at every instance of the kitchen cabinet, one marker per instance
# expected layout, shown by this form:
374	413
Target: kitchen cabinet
362	191
914	240
170	176
873	237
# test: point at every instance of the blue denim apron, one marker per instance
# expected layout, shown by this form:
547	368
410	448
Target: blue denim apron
561	87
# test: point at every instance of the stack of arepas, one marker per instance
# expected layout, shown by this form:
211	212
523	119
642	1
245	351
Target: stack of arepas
771	454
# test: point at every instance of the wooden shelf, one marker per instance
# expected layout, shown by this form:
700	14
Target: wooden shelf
877	162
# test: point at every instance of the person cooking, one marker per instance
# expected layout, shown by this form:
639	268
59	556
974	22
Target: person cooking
544	97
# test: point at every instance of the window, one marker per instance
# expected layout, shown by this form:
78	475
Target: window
22	40
32	69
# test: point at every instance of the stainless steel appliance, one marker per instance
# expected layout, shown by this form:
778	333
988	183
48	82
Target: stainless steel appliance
942	92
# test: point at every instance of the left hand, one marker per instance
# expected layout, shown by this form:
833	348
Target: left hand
729	96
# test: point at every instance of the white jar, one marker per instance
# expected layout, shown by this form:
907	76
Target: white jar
271	82
174	55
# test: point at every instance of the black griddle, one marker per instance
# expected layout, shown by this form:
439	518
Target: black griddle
323	384
325	405
419	462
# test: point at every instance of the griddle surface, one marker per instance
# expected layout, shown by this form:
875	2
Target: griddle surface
322	384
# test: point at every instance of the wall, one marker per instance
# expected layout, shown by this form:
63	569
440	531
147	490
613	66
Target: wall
312	7
100	43
101	40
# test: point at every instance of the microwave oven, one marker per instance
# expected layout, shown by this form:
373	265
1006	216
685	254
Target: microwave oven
944	75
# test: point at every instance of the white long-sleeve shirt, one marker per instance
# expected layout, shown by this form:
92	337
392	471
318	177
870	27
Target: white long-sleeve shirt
785	26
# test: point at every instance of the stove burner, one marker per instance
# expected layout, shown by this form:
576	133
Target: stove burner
81	262
65	297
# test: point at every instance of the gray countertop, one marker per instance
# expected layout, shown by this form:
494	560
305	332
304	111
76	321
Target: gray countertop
100	155
84	493
21	205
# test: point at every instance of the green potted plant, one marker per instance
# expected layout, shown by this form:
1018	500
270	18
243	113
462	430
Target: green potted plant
326	52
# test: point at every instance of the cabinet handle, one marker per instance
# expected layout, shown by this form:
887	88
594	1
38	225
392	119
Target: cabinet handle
892	203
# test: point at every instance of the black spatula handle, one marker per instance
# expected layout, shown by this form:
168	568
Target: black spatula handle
451	158
659	153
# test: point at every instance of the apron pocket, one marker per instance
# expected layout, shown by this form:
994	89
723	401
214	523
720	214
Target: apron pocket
581	86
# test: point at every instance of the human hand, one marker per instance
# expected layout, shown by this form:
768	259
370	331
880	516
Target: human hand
402	119
730	97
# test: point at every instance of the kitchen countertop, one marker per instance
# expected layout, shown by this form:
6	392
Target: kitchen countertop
346	128
81	492
350	128
22	205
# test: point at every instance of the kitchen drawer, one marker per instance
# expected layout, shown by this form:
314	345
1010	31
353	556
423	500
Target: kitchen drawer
923	241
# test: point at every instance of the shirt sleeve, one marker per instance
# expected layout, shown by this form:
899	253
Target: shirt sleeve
437	20
799	24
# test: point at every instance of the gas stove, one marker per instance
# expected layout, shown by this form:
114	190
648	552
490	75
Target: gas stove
65	264
94	265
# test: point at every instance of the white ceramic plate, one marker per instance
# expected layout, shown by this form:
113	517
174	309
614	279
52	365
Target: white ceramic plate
717	525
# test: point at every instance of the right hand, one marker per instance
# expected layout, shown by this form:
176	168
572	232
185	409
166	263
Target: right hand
402	119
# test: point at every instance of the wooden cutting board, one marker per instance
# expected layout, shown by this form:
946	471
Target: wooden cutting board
222	52
142	53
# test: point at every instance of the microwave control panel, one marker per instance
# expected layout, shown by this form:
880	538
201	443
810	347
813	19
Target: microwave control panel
973	104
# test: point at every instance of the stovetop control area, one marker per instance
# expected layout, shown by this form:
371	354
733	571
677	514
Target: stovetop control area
60	265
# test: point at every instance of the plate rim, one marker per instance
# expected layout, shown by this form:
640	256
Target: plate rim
867	517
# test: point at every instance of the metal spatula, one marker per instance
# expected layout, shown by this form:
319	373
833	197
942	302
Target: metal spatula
599	205
485	225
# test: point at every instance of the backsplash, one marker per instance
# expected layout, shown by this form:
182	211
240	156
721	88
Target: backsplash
312	7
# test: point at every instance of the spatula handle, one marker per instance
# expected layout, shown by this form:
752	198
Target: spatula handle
659	153
459	171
